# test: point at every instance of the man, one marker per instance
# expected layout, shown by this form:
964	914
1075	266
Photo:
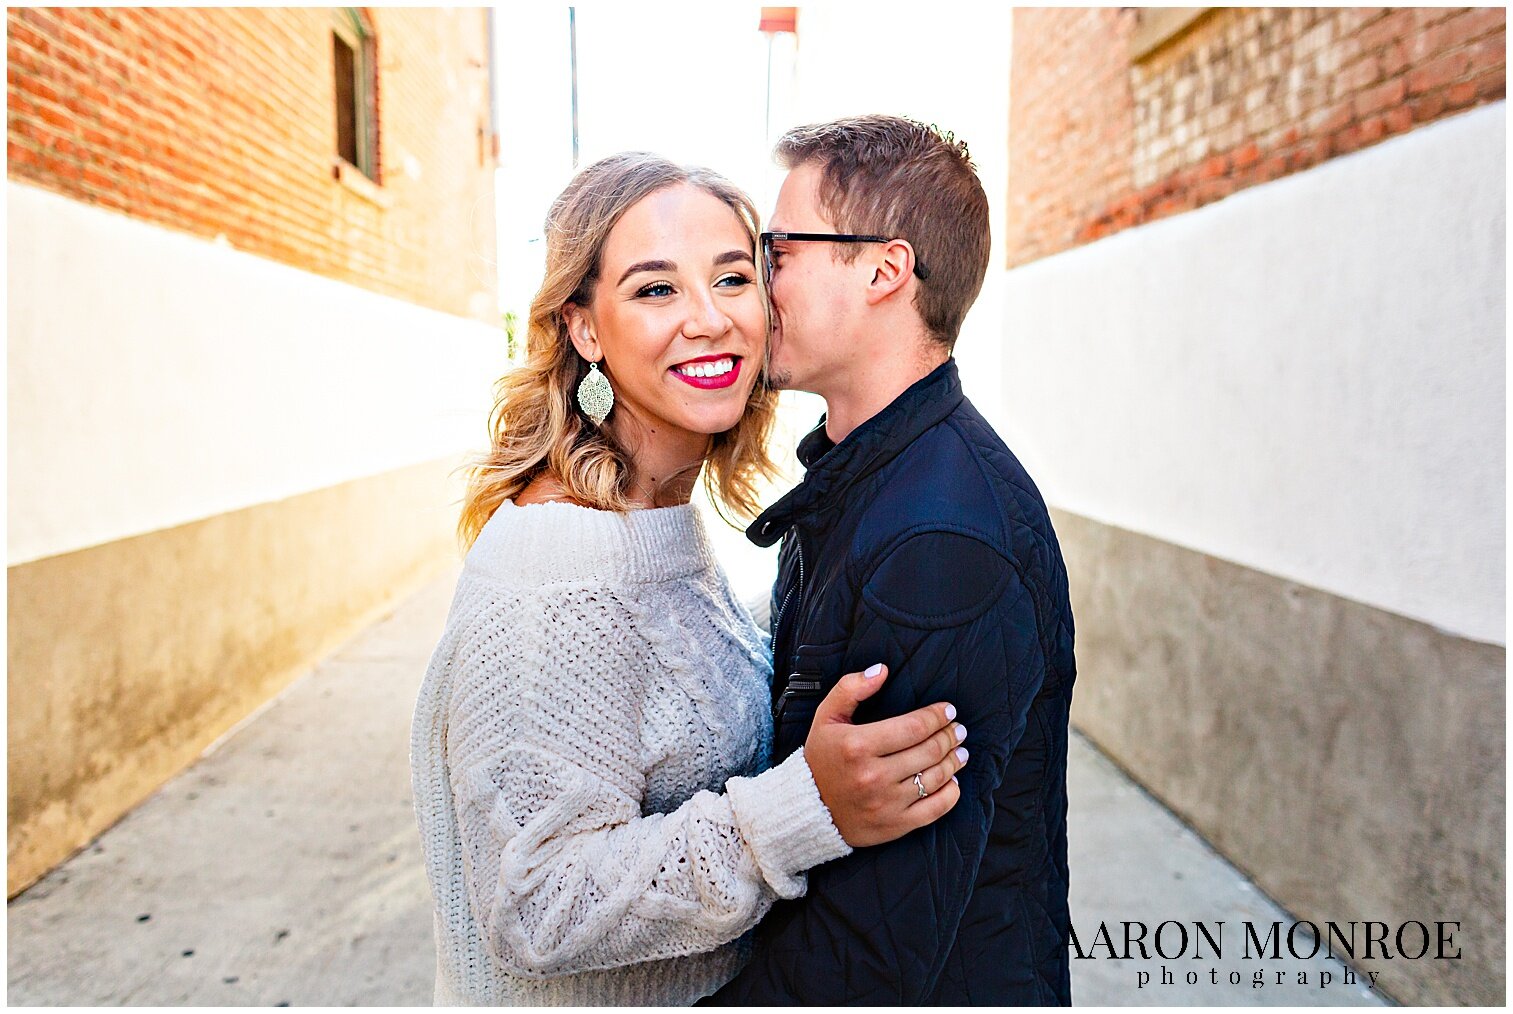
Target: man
915	539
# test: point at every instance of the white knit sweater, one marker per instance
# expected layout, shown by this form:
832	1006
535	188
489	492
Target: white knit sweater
588	757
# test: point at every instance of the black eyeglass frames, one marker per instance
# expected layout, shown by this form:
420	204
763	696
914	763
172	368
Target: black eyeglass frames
823	237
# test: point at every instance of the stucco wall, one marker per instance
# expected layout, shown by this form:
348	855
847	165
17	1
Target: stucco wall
1306	378
219	468
156	378
128	659
1274	432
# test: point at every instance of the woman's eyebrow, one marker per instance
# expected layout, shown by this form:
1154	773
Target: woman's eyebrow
733	255
648	266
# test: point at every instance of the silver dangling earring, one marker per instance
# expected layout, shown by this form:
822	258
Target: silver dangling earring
595	396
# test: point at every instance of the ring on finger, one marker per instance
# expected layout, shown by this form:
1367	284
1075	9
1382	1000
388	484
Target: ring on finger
919	783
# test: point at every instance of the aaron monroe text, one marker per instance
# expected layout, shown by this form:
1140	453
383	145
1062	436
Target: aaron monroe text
1350	941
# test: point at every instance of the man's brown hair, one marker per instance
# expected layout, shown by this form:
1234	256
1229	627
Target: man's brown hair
894	177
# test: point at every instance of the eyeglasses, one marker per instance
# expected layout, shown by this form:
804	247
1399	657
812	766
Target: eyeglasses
823	237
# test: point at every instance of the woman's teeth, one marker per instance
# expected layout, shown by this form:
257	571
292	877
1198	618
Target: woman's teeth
716	368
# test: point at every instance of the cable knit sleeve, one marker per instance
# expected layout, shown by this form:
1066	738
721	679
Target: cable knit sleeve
563	870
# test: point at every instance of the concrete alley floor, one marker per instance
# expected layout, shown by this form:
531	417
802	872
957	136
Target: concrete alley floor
284	868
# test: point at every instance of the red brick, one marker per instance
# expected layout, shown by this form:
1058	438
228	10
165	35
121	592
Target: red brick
1438	72
16	155
1395	59
1092	231
1398	119
94	178
1492	84
1397	25
1167	206
24	129
1379	97
227	144
1331	119
1318	150
1346	141
1216	165
1247	155
1476	22
33	87
1433	15
1460	94
1352	19
23	36
1257	93
1488	53
1128	203
43	19
54	117
1365	71
1211	190
1427	107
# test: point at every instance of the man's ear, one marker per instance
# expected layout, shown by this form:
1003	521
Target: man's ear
891	271
581	330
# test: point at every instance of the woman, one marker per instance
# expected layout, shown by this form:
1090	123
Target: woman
591	741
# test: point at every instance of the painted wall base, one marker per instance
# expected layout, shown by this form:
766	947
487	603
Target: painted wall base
1350	760
128	659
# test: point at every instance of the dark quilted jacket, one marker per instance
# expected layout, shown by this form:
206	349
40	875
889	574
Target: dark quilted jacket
919	541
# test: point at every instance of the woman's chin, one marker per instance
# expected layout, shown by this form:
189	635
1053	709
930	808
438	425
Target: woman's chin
714	422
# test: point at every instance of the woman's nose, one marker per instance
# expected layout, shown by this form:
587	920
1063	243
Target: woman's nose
706	319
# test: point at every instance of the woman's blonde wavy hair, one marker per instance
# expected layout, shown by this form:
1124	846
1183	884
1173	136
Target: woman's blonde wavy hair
536	427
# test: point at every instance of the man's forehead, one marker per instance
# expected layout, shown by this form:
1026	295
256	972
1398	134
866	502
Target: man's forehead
798	208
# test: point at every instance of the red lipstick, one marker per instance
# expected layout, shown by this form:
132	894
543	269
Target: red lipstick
710	383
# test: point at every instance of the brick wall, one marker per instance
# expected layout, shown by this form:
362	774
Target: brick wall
222	123
1100	140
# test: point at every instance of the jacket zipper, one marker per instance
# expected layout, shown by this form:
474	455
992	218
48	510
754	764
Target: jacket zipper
798	685
795	684
798	547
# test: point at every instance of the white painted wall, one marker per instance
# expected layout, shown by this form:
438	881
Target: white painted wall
1306	378
156	378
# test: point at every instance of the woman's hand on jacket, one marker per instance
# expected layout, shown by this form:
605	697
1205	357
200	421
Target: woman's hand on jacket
866	773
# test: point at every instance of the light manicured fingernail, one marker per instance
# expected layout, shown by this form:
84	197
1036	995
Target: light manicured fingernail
961	754
950	712
953	778
874	671
961	733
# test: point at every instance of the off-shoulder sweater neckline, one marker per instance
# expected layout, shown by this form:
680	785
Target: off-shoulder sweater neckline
564	542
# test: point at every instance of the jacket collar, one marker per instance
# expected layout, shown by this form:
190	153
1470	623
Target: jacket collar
831	469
